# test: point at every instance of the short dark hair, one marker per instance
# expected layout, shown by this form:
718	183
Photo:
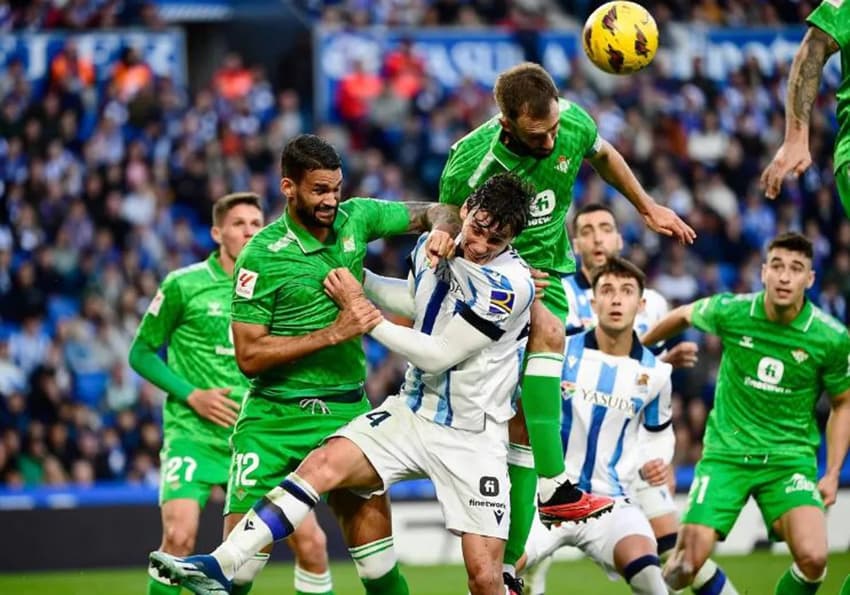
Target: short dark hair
793	241
506	199
525	88
222	206
591	207
619	267
307	152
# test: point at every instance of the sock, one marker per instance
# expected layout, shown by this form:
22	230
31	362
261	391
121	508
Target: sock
666	543
644	576
509	569
794	582
523	489
160	586
243	581
535	577
711	580
271	519
392	583
845	588
312	583
541	401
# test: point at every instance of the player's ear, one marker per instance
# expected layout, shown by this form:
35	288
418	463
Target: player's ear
811	279
641	305
594	306
763	272
215	232
464	211
619	242
287	187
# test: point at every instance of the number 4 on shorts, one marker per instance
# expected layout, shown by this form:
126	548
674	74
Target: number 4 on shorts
377	417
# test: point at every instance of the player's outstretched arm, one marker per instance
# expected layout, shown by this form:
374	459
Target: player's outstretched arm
612	167
258	351
837	443
803	85
674	323
425	216
390	294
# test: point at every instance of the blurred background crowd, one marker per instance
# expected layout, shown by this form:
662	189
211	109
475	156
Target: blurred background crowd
107	187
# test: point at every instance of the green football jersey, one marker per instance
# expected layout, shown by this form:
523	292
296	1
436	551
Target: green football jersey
191	315
481	154
771	376
833	17
278	284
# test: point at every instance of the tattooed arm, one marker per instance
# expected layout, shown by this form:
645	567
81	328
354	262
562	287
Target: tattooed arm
425	216
803	85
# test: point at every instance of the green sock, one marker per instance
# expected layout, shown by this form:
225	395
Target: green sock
157	588
845	588
243	589
523	488
541	402
312	583
392	583
794	583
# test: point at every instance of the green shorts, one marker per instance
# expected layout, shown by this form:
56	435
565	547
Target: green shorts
721	488
189	469
271	439
842	183
555	298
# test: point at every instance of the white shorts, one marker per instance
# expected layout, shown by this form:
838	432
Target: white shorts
469	469
655	501
596	538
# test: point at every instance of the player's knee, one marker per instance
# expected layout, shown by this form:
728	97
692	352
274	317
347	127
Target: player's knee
547	333
484	578
178	540
812	562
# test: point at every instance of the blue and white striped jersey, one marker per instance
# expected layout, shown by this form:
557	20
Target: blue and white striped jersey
496	300
605	400
581	315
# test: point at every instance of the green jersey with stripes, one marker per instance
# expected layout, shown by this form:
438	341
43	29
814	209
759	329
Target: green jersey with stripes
481	154
278	284
833	17
770	376
190	314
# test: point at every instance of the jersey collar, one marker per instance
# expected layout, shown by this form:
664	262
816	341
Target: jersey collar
636	353
802	322
214	266
307	241
506	158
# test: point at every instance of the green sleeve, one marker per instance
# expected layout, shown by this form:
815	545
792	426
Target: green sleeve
836	375
833	17
160	320
707	312
254	289
147	364
586	125
382	218
453	187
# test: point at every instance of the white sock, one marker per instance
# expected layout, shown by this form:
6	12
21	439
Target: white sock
312	582
535	576
546	486
271	519
709	572
248	572
648	581
509	568
374	559
798	574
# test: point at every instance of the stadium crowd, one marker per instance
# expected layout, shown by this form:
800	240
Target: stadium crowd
105	191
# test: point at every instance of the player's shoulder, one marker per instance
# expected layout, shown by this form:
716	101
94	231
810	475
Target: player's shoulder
269	242
190	274
827	327
572	112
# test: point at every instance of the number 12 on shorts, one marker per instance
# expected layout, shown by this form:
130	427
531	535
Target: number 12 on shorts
698	488
246	463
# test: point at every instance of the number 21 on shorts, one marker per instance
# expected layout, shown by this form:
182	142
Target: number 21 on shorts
697	492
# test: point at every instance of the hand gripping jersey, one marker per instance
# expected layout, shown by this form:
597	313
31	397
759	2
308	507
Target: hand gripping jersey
496	299
605	399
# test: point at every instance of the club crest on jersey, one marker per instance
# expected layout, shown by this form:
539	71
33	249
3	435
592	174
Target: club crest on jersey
563	164
501	301
799	355
567	389
245	282
642	382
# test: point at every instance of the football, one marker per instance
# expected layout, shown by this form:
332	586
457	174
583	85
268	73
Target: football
620	37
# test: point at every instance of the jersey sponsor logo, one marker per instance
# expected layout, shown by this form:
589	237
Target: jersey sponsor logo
156	303
770	371
800	483
488	486
799	355
541	208
629	406
746	342
348	244
281	243
501	301
245	282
